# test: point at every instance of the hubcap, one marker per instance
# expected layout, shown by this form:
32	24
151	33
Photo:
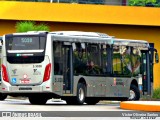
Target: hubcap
132	95
81	94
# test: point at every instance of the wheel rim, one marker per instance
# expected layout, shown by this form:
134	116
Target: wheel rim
81	94
132	95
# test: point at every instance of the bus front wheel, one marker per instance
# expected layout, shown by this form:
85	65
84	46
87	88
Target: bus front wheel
134	93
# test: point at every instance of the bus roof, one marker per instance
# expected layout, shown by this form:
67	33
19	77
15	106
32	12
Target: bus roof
80	33
88	37
95	37
129	42
77	36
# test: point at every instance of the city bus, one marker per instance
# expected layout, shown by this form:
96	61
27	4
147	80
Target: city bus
78	67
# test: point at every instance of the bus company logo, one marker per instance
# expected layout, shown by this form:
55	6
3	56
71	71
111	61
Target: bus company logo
14	71
36	72
25	76
25	79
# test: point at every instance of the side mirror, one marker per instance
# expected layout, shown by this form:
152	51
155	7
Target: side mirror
156	57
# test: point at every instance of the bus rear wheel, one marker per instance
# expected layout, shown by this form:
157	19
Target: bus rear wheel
2	96
36	100
134	93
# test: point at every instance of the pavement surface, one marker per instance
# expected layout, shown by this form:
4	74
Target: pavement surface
151	106
56	105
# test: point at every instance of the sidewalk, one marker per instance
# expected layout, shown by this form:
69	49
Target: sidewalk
153	106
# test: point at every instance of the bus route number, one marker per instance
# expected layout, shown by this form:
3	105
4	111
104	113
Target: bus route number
26	40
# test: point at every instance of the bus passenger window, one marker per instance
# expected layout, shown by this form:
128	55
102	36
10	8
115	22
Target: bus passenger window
126	60
117	67
79	60
136	55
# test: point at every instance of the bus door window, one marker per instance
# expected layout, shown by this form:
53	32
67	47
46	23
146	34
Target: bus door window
57	53
67	67
144	71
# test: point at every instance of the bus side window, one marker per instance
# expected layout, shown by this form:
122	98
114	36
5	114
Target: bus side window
117	67
79	60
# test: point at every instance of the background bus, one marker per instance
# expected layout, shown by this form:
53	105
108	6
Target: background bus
75	66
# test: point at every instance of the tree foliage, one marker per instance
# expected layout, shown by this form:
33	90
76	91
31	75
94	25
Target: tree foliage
25	26
156	93
148	3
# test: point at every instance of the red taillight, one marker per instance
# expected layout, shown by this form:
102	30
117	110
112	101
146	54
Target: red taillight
4	73
47	72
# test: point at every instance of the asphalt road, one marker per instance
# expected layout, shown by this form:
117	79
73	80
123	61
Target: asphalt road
59	110
56	105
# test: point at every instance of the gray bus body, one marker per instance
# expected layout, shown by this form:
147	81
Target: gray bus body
75	66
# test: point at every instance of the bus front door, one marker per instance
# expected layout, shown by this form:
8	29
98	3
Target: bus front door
147	72
67	69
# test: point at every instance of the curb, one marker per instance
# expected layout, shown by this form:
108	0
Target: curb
151	106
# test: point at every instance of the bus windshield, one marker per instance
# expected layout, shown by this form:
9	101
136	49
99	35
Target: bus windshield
25	48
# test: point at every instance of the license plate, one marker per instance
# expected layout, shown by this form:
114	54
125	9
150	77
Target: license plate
25	88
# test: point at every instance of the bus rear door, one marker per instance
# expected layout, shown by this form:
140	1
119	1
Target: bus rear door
68	69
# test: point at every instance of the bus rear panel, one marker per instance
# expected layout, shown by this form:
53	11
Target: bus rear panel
25	66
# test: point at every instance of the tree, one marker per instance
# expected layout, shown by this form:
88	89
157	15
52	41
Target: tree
25	26
149	3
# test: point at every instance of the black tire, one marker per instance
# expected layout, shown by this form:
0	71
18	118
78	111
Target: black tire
35	100
136	93
80	98
2	96
91	101
81	94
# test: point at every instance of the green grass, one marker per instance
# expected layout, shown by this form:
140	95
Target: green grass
156	93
